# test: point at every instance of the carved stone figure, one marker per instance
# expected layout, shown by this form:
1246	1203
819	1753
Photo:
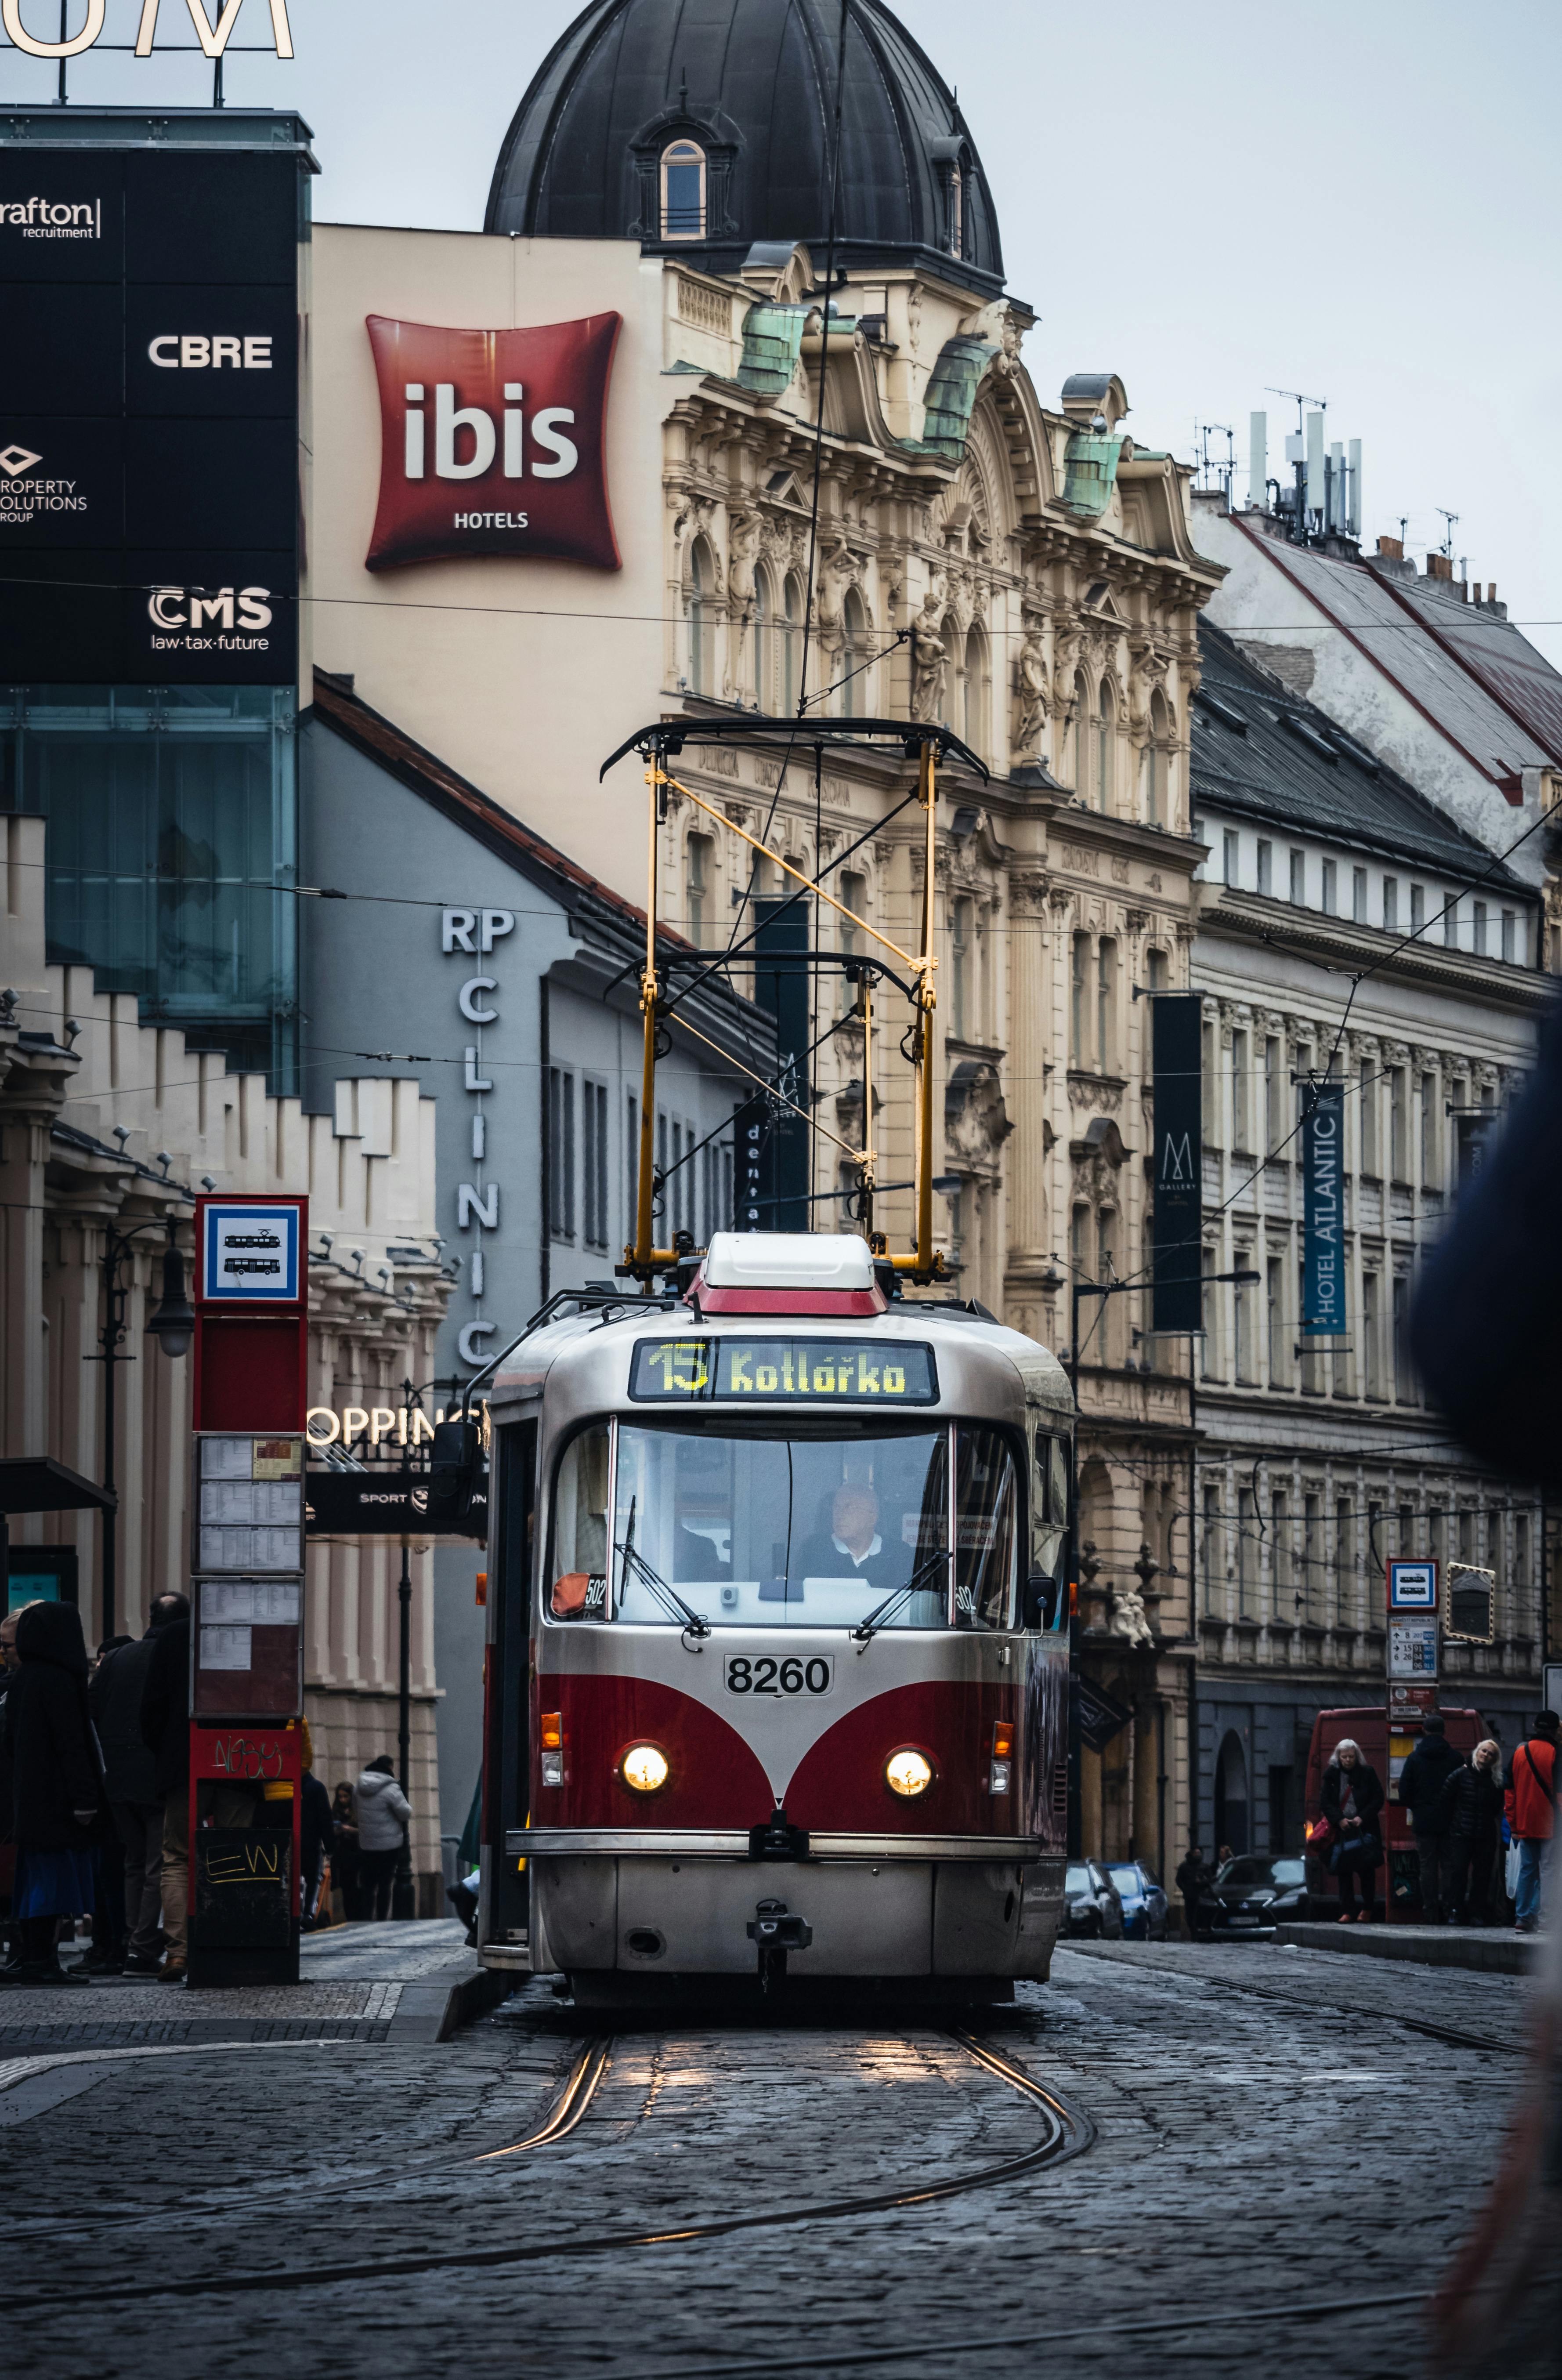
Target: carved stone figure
1031	694
1129	1617
743	539
928	656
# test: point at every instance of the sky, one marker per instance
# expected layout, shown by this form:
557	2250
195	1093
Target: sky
1357	199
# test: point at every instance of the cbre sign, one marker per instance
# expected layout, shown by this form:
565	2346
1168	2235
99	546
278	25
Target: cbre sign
213	37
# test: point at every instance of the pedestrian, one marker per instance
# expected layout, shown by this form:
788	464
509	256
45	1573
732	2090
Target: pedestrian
1531	1810
345	1849
166	1731
382	1810
1421	1781
1193	1879
46	1745
1471	1806
130	1775
316	1841
1350	1800
107	1956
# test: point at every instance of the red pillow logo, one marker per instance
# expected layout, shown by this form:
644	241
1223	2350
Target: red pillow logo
494	442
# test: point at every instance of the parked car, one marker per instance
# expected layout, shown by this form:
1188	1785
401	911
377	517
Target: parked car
1090	1906
1254	1893
1144	1902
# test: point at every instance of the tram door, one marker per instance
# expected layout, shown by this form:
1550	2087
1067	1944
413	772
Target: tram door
506	1712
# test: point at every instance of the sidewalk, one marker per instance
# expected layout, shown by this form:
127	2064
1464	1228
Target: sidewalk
1488	1949
384	1983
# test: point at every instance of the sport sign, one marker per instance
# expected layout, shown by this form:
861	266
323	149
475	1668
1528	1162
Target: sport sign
493	443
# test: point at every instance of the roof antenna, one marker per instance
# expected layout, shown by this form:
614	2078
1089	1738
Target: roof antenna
1450	522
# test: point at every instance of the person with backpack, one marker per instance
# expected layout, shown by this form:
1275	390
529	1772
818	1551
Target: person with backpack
1471	1810
1531	1803
1422	1782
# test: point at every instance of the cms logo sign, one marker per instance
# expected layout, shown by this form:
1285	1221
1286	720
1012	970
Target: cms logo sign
175	608
493	443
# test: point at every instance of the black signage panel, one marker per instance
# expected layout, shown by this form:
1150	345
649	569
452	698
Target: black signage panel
62	483
1176	1034
382	1504
149	468
62	216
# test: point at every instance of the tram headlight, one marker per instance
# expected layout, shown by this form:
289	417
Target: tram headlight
643	1768
908	1774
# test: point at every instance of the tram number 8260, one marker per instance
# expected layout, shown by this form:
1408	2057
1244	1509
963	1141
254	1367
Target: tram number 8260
750	1674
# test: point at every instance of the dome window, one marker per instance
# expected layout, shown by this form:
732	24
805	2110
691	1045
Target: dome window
682	191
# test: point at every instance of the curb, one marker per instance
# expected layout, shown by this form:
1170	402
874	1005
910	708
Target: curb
436	2010
1484	1950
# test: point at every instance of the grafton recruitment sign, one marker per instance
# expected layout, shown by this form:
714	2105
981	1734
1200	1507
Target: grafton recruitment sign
494	442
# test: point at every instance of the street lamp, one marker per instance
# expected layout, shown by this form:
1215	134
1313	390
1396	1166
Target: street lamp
173	1324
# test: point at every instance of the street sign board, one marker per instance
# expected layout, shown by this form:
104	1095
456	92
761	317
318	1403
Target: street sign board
249	1252
1412	1587
1412	1650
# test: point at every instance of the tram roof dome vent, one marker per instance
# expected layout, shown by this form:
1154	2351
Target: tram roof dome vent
787	1272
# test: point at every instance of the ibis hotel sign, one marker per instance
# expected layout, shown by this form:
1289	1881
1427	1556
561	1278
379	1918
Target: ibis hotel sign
493	443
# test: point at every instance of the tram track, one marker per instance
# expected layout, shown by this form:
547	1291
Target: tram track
1451	2035
1069	2132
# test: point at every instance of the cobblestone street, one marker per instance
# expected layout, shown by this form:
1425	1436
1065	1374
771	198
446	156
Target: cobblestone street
337	2201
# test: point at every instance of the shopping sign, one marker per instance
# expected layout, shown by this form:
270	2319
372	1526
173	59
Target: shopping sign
494	442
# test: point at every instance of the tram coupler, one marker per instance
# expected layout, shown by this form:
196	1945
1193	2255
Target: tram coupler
777	1841
774	1931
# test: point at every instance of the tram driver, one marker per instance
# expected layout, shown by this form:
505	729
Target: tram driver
848	1544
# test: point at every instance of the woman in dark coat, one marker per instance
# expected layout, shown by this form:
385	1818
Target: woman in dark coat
345	1851
48	1751
1472	1811
1350	1800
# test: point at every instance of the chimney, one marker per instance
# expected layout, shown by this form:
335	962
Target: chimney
1392	549
1440	566
1476	597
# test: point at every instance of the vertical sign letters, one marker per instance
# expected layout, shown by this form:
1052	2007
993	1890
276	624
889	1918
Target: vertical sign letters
1322	1264
1176	1022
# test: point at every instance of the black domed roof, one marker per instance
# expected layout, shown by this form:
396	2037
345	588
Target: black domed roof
752	83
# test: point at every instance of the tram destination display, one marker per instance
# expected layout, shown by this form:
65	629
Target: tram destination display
784	1371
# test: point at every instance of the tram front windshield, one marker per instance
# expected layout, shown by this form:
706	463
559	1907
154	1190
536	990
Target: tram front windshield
785	1530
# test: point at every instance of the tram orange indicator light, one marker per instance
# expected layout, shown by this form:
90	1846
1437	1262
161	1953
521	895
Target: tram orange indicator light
1002	1739
553	1731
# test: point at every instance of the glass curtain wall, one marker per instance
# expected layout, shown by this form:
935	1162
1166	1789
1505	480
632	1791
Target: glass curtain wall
172	853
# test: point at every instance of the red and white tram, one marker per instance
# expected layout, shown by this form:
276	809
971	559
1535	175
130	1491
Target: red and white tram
778	1634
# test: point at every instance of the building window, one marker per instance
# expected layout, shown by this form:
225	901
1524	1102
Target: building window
1344	1560
1367	1122
792	644
632	1164
1312	1560
1241	1109
1158	967
1106	1004
1359	896
1106	720
1391	904
1398	1125
1509	936
1279	1363
1207	1314
763	659
561	1154
594	1162
682	191
857	680
977	687
701	853
1429	1132
959	967
702	582
1450	922
1478	936
1241	1312
1272	1096
1211	1563
1404	1376
1081	736
1077	996
957	211
1372	1365
1231	858
1280	1557
1265	866
1331	895
1299	878
1247	1551
1418	908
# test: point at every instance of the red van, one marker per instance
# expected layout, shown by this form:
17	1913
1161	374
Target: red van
1400	1877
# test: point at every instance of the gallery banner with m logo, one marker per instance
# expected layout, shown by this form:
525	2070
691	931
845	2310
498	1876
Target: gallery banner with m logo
1176	1025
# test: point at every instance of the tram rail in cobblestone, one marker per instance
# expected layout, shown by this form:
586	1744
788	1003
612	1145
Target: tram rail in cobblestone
1070	2131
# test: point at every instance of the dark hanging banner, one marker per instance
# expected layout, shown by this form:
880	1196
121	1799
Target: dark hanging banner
754	1169
782	985
1175	1021
1322	1259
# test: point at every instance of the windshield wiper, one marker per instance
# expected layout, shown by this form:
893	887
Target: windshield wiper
667	1597
866	1629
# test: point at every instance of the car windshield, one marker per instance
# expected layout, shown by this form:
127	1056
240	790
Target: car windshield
802	1531
1254	1875
1076	1880
1127	1879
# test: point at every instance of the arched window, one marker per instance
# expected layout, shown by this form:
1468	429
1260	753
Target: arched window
957	211
853	702
1156	758
701	853
977	690
764	659
702	582
1105	722
1082	737
1078	994
954	673
792	644
1106	1004
682	191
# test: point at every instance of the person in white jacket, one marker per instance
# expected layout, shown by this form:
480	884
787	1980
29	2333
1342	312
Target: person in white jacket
382	1811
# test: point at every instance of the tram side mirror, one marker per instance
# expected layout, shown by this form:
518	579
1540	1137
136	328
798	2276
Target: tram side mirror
1041	1600
453	1467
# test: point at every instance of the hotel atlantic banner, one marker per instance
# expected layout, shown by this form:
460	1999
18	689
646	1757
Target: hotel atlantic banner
1176	1023
148	413
1322	1264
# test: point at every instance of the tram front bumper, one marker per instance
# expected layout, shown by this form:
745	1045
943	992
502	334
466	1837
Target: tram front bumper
885	1916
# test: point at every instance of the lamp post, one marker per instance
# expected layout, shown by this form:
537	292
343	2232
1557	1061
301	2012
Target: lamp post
173	1325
